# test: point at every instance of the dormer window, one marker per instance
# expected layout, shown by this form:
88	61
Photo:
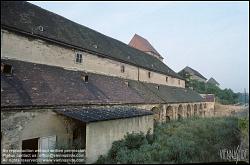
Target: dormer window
85	78
78	57
6	69
122	68
149	74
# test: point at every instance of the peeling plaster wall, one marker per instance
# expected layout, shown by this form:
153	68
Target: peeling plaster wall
28	124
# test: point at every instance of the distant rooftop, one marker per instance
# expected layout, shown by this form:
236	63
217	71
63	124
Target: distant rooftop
195	72
142	44
213	81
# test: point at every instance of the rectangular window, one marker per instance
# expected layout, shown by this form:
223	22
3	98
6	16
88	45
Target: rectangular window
166	79
122	68
179	82
78	58
30	144
149	74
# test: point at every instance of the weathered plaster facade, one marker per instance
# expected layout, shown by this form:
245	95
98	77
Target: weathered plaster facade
14	46
101	135
17	126
26	122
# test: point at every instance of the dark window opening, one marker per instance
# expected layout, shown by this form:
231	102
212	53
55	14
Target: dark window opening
166	79
158	87
149	74
85	78
32	145
122	69
6	69
78	58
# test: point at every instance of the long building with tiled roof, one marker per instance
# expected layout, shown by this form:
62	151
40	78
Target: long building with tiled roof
194	74
63	84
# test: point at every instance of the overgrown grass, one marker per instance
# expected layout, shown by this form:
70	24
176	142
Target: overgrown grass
186	141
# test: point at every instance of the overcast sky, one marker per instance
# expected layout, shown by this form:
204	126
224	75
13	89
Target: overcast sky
210	37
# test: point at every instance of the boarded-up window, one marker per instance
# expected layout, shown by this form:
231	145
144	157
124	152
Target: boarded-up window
46	143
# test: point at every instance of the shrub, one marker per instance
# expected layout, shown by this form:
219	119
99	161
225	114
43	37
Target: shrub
187	141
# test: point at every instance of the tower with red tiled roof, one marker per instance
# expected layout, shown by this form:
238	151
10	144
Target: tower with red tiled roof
142	44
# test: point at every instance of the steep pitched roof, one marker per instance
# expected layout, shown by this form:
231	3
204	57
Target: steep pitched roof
32	20
195	72
142	44
42	85
213	81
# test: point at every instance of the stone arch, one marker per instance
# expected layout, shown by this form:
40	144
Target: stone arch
169	113
195	110
157	114
201	106
180	112
188	110
200	110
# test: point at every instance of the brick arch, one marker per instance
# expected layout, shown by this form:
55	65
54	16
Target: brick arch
169	113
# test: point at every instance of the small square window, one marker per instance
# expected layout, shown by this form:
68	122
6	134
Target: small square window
122	68
6	69
78	58
149	74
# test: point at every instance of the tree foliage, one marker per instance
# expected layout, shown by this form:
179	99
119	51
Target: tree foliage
224	96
